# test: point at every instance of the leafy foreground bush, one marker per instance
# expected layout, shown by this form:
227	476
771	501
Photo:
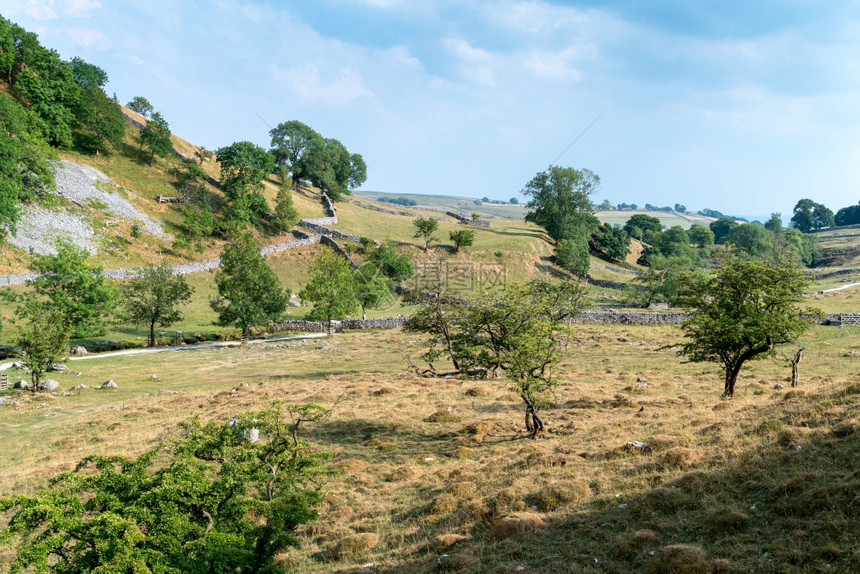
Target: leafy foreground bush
215	498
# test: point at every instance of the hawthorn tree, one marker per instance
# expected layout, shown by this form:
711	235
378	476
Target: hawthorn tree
220	497
140	105
331	288
154	138
249	293
396	266
515	331
742	313
151	297
372	288
462	238
43	339
425	227
76	288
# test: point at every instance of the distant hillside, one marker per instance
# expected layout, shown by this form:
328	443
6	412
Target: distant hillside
475	205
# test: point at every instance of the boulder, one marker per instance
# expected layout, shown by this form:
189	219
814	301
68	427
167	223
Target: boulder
108	385
80	351
21	384
49	385
60	368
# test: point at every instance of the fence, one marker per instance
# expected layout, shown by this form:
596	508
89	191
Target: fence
4	382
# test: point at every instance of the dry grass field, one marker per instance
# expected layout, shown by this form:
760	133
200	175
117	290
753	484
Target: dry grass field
438	475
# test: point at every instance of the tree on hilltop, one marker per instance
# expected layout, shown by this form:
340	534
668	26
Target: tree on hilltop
154	138
140	105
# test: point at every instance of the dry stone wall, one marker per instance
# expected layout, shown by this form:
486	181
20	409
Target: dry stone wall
345	325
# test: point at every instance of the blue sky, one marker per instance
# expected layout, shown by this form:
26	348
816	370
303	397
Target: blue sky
740	106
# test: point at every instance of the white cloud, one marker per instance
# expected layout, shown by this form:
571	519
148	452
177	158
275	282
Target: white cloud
86	37
475	64
41	10
308	83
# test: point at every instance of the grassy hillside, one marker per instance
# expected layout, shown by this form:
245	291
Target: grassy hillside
434	474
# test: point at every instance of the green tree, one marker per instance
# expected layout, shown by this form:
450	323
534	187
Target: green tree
154	138
640	223
333	169
286	214
700	235
220	497
100	122
751	238
372	288
721	228
674	242
244	166
822	217
848	215
42	340
75	288
742	313
462	238
26	171
515	330
560	199
249	293
140	105
612	242
774	224
661	280
331	288
396	266
572	254
291	142
809	215
425	227
152	297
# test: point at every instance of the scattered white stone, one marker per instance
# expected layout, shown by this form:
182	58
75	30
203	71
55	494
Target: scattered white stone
108	385
637	446
49	385
779	386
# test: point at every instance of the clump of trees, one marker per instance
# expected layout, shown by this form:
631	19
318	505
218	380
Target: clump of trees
51	104
809	216
560	203
216	497
517	331
323	162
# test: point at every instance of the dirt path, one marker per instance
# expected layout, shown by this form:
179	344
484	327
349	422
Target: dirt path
195	347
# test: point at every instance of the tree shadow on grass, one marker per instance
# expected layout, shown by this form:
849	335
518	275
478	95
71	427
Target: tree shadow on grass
789	506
